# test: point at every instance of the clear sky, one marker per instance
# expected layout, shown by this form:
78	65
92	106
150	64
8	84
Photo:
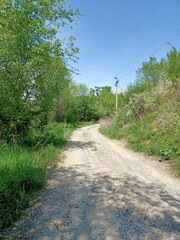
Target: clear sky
116	36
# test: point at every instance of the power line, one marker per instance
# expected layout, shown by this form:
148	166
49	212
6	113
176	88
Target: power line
155	51
150	44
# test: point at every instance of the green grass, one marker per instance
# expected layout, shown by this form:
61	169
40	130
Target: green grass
21	175
23	171
140	136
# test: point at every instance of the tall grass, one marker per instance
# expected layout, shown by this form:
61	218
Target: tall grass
21	174
162	143
23	171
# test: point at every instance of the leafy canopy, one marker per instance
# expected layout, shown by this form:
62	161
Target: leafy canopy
33	60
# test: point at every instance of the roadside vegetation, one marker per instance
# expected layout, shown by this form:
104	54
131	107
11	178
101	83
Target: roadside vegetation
23	171
40	105
149	116
33	75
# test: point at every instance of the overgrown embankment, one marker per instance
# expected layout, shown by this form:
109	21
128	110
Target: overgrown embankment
149	119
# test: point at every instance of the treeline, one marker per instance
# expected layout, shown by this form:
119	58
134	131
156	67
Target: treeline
153	72
149	116
79	103
36	84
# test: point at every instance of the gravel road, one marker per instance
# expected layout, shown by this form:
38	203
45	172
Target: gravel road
104	191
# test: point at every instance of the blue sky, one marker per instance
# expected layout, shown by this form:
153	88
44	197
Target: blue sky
116	36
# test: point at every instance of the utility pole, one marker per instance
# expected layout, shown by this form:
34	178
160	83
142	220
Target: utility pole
116	84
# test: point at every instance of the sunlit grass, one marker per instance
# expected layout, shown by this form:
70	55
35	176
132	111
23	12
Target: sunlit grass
140	136
23	171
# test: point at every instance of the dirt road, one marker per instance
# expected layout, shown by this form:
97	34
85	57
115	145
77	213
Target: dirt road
103	191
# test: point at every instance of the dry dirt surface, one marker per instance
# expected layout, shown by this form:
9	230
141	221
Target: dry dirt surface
103	191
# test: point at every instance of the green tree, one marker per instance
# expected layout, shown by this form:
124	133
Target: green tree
33	70
150	72
172	65
76	105
107	101
104	100
80	90
148	75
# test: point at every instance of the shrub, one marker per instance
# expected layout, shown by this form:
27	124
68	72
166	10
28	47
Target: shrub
143	103
54	133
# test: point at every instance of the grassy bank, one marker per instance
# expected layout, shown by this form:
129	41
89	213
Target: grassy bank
23	170
162	144
150	123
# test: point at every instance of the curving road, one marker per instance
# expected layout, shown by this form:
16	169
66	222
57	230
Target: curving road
103	191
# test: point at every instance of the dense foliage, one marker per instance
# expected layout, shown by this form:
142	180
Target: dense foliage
152	72
78	103
33	70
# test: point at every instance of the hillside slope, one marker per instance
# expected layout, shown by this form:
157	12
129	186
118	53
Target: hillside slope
149	113
150	122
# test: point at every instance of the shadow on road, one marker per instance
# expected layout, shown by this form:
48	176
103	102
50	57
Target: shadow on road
79	207
74	145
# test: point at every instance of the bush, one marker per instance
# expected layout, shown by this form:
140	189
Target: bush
143	103
54	133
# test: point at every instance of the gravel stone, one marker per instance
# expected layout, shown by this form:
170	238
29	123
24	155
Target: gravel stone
110	193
